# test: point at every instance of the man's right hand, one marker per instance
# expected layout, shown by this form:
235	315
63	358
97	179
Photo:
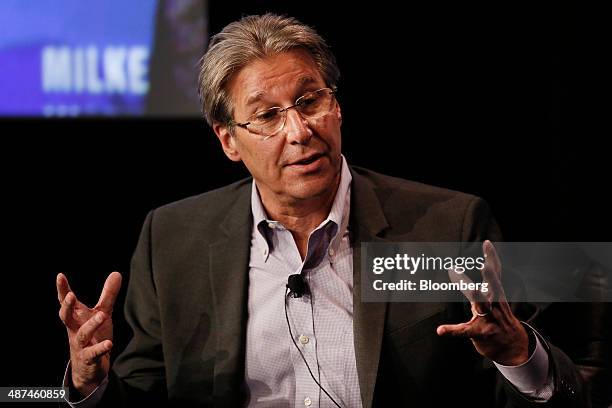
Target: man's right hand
90	332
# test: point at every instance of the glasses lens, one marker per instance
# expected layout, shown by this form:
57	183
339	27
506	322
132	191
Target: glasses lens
266	122
315	104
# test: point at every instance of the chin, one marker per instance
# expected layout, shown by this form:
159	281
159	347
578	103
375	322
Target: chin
310	188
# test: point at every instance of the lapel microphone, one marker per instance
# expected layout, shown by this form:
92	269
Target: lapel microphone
297	286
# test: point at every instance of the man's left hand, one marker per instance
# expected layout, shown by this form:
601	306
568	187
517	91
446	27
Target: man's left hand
494	330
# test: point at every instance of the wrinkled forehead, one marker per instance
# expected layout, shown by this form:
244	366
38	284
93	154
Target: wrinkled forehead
284	75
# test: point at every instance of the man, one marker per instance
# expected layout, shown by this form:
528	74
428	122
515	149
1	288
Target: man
207	299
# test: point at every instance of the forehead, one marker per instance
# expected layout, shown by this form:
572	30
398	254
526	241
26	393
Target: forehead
274	76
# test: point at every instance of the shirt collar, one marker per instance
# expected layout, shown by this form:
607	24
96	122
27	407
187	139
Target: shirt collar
339	211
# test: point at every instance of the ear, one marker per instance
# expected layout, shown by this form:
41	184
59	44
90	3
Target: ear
228	141
339	112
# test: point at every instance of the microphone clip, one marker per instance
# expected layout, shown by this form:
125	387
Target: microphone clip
297	286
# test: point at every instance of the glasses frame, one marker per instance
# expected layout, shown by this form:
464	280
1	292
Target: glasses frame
333	90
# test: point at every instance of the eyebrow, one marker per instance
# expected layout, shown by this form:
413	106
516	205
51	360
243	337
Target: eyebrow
301	81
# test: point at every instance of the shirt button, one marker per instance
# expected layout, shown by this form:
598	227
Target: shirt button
271	225
331	252
307	401
304	339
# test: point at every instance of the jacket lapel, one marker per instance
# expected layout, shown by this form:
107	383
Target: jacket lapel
367	220
229	260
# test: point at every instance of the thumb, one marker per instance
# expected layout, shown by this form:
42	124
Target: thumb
456	330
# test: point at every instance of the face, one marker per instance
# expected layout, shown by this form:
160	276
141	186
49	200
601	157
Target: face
300	162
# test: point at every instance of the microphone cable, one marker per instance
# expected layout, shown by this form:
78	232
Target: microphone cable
301	289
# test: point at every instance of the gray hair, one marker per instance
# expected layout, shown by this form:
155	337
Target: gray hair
255	37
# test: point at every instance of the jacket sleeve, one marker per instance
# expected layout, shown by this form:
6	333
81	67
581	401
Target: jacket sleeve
138	374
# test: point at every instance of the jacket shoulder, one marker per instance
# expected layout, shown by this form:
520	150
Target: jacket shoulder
205	210
429	212
383	182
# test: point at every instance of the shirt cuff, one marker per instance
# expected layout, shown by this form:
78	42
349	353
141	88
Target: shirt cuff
89	401
533	378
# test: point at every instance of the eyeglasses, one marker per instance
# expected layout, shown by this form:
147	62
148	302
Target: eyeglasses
269	122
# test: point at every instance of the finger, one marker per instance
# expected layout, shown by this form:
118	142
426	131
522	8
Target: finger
477	298
493	266
109	292
92	354
457	330
482	309
491	272
61	282
88	329
66	312
491	252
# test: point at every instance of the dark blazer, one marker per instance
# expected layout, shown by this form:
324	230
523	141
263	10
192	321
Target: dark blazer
187	305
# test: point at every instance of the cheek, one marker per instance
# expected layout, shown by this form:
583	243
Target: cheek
262	157
329	129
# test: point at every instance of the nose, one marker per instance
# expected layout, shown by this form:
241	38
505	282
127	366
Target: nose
297	128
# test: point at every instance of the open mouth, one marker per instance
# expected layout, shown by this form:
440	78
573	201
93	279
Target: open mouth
308	160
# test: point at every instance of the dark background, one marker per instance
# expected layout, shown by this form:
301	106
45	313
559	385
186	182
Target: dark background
499	100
